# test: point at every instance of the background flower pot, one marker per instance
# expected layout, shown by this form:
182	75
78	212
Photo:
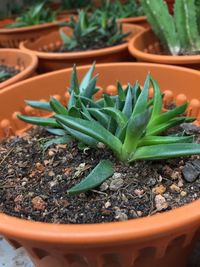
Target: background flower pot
49	61
21	60
146	47
10	38
162	240
141	21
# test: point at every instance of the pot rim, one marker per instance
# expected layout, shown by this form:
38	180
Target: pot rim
22	74
168	59
81	54
139	229
30	28
132	19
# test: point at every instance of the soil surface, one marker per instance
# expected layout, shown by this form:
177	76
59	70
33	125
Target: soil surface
81	48
34	182
7	72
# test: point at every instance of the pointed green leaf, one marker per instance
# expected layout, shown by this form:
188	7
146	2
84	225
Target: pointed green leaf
56	131
39	105
39	121
116	114
93	129
91	142
99	116
74	86
57	106
155	140
128	105
97	176
86	79
166	151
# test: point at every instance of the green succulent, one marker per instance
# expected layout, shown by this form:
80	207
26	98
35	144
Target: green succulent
90	32
129	124
117	9
180	33
36	14
4	75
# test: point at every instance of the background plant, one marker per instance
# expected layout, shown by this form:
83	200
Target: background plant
179	34
129	124
92	32
71	4
36	14
117	9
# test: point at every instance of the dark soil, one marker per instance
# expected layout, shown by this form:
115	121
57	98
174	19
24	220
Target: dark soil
80	48
33	183
7	72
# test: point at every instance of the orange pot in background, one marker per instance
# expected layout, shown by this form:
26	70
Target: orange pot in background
10	38
49	61
21	60
146	47
141	21
163	240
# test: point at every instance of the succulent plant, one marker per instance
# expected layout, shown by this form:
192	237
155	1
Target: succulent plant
92	32
129	124
179	34
117	9
4	75
36	14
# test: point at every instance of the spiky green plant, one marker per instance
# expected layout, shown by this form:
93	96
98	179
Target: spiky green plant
4	75
117	9
179	34
92	32
36	14
129	124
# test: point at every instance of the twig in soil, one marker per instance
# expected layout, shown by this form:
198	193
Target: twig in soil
99	192
6	155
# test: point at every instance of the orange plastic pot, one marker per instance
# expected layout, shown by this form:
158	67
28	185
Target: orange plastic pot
11	38
25	62
49	61
146	47
141	21
161	240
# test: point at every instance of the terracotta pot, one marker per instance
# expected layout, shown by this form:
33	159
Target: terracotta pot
10	38
49	61
145	46
161	240
141	21
21	60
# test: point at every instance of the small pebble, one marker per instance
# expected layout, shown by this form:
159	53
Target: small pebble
183	193
107	204
160	203
139	192
175	188
116	184
38	203
190	173
160	189
104	187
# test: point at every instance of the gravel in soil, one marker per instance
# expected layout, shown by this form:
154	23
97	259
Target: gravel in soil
34	182
7	72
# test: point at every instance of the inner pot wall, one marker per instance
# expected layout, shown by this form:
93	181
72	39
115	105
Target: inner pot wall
159	241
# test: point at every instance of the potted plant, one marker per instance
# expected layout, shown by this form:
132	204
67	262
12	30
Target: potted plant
91	38
129	11
173	39
16	65
160	240
33	23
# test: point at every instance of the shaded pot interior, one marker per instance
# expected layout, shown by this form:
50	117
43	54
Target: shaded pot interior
163	240
25	62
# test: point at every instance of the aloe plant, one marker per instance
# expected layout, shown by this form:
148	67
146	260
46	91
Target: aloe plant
179	34
117	9
36	14
129	124
92	32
